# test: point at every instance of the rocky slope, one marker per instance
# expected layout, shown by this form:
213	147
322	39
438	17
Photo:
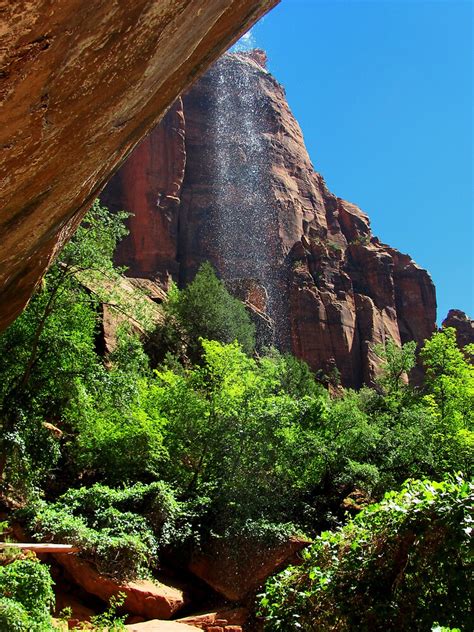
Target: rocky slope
226	177
80	84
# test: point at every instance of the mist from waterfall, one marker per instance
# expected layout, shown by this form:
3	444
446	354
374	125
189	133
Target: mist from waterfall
243	216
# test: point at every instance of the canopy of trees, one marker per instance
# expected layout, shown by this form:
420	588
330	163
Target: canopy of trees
219	442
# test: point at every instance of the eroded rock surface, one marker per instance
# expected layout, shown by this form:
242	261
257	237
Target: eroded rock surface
463	325
80	84
250	201
160	626
230	619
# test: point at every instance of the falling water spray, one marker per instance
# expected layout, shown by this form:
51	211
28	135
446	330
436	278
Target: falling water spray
244	222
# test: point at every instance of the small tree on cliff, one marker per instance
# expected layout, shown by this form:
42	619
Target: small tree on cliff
207	310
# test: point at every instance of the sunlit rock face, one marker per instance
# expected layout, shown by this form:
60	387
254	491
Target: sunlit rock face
80	84
251	202
463	325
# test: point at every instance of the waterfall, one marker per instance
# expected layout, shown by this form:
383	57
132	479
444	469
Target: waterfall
243	216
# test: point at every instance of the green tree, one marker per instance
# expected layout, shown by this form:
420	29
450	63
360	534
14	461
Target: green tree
118	439
449	382
61	304
207	310
397	362
47	356
449	396
293	376
232	431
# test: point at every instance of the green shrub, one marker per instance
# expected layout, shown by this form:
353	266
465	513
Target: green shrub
120	531
14	617
262	533
293	376
402	564
114	551
233	431
26	597
153	505
109	621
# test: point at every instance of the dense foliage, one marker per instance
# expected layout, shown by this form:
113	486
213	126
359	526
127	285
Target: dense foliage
128	461
47	356
118	530
401	564
26	596
203	309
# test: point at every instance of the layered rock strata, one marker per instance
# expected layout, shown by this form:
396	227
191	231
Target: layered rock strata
235	186
80	84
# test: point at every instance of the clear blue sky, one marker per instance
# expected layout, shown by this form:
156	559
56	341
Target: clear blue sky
383	93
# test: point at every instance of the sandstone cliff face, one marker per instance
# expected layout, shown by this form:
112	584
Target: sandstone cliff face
463	325
80	84
250	201
149	183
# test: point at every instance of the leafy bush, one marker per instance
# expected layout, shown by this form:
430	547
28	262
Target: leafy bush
114	552
232	430
109	621
293	376
14	617
120	531
261	532
104	507
26	597
117	440
401	564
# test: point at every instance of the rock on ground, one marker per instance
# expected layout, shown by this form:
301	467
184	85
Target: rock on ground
150	600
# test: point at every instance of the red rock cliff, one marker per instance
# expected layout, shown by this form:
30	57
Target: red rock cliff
250	201
463	325
81	82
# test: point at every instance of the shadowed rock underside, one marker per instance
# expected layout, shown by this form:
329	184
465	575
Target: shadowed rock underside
80	84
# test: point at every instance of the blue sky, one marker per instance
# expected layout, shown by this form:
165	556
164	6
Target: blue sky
383	93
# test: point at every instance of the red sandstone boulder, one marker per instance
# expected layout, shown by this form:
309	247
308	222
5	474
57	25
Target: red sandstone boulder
235	570
231	619
148	599
137	309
